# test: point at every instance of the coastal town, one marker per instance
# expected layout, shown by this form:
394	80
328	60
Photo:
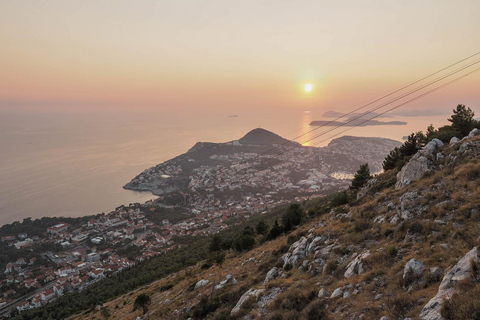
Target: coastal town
106	244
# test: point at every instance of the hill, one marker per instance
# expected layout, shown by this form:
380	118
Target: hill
260	170
394	253
261	136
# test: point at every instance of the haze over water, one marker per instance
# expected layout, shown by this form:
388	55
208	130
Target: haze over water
76	164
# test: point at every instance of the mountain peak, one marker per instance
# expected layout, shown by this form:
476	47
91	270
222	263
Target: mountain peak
261	136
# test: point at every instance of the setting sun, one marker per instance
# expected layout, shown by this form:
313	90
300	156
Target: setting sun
308	87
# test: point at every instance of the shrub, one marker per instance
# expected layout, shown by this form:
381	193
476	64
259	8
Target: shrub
392	251
339	199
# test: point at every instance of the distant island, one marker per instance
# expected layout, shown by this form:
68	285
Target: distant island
356	123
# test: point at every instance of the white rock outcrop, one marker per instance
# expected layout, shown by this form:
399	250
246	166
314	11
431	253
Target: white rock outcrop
475	132
413	272
357	265
273	274
201	283
250	293
419	164
229	280
337	293
461	271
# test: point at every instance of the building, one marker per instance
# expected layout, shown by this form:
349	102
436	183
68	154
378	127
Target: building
58	228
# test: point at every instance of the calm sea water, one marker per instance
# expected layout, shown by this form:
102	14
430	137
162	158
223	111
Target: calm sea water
74	165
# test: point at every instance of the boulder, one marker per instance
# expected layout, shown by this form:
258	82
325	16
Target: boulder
271	275
413	272
229	280
322	293
250	293
315	244
337	293
413	170
454	141
296	253
461	271
475	132
201	283
357	265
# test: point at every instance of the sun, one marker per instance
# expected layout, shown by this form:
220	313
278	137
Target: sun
308	87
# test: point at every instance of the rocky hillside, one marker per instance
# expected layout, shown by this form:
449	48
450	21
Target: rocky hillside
407	248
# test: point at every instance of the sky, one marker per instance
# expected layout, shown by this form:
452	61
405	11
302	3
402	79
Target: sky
236	56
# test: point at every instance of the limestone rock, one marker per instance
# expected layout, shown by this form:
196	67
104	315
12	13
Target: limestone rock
313	246
413	170
322	293
461	271
454	141
357	265
271	275
475	132
229	280
201	283
337	293
413	271
250	293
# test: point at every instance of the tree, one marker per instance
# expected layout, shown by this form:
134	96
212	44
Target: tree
411	146
462	119
294	213
262	227
275	232
392	160
216	243
143	301
361	177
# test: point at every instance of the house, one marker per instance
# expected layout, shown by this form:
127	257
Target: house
97	274
58	228
8	293
29	283
36	301
25	305
21	261
47	294
59	289
8	239
8	268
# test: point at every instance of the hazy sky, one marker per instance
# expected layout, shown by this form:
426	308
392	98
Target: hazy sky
233	56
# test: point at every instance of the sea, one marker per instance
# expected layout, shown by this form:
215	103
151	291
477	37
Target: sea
75	164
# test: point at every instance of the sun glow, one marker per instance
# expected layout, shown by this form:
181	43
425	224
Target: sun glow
308	87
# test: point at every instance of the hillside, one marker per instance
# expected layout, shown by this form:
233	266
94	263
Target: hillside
396	252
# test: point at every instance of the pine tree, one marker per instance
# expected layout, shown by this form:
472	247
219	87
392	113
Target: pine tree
143	301
262	227
361	177
462	119
392	160
411	146
216	243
